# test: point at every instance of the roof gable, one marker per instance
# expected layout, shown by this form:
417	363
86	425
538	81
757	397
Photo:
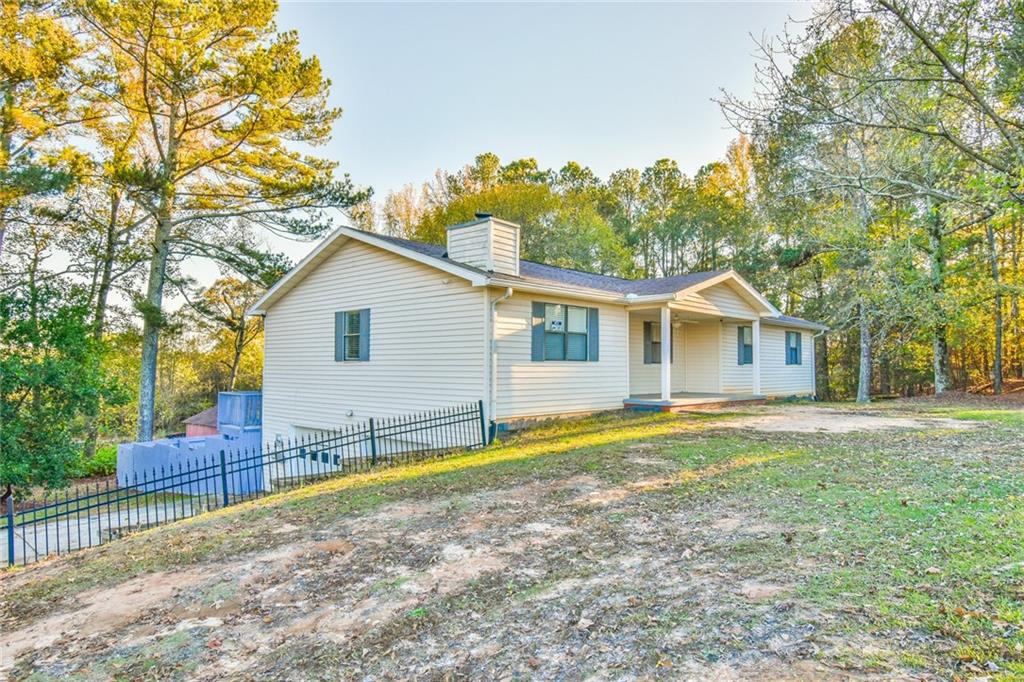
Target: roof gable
742	289
337	239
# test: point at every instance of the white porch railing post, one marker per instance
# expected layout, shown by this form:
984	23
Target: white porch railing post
756	334
666	353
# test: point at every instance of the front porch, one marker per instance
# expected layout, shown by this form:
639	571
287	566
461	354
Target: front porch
687	400
681	357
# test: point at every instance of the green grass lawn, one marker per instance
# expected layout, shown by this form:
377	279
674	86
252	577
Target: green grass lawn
661	545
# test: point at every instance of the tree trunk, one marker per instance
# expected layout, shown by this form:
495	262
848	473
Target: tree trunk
1018	331
864	375
885	374
824	384
1018	367
937	276
236	358
106	275
152	307
99	317
821	372
152	314
997	316
940	358
33	290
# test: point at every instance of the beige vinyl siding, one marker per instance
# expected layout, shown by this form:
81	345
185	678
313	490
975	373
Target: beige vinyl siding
470	245
505	246
644	379
702	357
527	388
720	300
736	378
426	343
778	378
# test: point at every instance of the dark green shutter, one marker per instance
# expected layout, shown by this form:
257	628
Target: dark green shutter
648	356
799	348
537	344
739	346
364	334
593	337
339	337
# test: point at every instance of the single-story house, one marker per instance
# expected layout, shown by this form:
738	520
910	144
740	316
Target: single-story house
369	325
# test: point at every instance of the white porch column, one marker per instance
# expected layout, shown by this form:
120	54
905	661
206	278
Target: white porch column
756	334
666	353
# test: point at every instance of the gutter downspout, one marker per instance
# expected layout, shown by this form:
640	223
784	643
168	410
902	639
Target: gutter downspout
492	403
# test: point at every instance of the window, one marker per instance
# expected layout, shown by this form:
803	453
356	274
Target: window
564	332
794	354
744	345
655	343
652	343
352	335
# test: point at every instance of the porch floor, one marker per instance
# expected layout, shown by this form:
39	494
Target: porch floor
683	400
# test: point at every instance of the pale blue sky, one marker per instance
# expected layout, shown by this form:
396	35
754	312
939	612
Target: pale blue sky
609	85
430	85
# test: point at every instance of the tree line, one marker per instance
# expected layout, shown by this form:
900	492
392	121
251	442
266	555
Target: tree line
875	185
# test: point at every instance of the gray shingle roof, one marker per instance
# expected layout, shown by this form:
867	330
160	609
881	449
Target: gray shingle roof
530	271
799	321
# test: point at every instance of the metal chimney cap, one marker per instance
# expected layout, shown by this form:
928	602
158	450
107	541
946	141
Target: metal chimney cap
481	216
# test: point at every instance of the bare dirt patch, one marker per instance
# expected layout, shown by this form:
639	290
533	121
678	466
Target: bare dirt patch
101	611
824	420
755	591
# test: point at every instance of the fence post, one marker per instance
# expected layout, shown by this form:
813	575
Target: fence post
483	422
10	530
373	443
224	478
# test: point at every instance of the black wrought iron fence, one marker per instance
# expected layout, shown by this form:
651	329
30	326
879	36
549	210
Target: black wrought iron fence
94	514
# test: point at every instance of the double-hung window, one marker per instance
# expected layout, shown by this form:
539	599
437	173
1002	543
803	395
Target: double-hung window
656	342
564	332
794	341
744	345
352	335
652	343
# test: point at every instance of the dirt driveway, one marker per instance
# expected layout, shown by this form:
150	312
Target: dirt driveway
825	420
670	547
